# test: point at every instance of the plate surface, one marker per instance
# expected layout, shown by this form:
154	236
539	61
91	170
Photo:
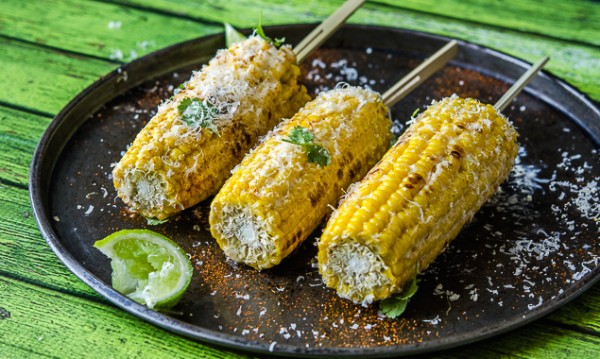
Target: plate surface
531	249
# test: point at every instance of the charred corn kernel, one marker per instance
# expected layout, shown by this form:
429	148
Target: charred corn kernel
398	219
277	196
184	156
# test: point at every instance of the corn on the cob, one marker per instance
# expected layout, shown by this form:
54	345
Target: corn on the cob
187	150
277	196
400	217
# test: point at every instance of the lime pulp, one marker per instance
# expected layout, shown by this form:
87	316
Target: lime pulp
147	267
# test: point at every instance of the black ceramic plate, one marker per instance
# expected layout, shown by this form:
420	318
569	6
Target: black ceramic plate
531	249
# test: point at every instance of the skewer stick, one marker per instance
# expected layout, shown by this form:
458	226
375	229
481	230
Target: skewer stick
519	85
318	36
420	74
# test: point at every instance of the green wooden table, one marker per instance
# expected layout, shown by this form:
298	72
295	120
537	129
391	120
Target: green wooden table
52	49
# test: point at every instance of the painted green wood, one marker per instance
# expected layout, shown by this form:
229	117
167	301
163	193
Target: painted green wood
571	20
46	322
19	134
42	79
583	312
10	351
538	340
55	310
23	249
25	254
120	33
91	329
567	58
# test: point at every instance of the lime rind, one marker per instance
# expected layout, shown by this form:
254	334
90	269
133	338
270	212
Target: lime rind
232	36
147	267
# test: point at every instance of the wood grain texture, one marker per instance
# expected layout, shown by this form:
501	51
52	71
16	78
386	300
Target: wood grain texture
120	33
19	134
53	49
24	252
42	79
567	58
571	20
583	313
91	330
97	330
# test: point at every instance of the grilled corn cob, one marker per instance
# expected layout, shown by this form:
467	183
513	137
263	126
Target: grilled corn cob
187	150
281	190
399	218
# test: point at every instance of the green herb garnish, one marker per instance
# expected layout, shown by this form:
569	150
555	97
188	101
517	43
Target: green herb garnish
395	306
415	113
179	88
232	36
196	112
155	222
315	153
260	32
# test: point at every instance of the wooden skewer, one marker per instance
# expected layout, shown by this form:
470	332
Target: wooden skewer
519	85
318	36
420	74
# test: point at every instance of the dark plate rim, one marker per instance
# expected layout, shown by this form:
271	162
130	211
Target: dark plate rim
39	181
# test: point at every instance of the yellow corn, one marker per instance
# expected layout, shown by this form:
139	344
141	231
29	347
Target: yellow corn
277	196
400	217
176	162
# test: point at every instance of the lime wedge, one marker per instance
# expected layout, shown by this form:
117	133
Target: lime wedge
147	267
232	36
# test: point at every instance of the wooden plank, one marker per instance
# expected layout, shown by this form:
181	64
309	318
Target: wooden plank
576	63
25	254
568	59
571	20
42	321
583	312
16	352
43	79
19	134
120	33
537	340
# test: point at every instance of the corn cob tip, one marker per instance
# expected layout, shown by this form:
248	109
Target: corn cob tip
144	191
244	236
365	274
279	194
415	201
187	150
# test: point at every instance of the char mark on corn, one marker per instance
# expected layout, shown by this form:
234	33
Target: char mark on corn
283	189
402	215
187	150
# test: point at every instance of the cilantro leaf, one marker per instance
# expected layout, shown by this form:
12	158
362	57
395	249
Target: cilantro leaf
180	88
300	136
155	222
261	32
394	307
232	36
315	153
195	112
318	154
